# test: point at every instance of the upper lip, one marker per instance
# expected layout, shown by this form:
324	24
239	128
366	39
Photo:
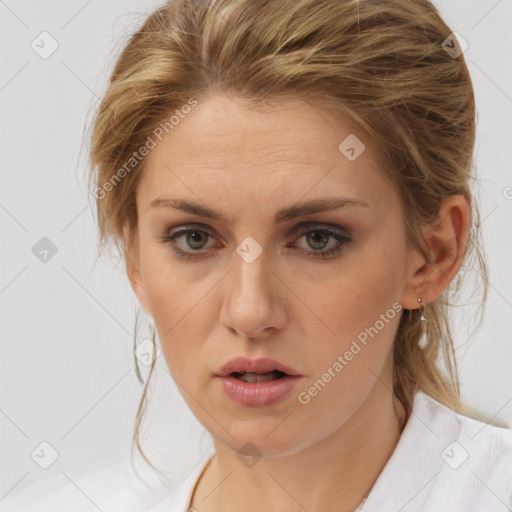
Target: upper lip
260	365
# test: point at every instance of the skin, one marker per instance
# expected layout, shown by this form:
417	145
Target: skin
302	311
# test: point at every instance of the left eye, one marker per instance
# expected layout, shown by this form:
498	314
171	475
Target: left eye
317	239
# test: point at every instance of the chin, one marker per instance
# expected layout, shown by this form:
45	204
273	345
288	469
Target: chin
257	443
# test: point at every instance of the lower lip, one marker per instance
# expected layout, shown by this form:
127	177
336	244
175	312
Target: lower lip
258	394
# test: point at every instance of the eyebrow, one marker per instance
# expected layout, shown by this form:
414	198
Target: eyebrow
289	213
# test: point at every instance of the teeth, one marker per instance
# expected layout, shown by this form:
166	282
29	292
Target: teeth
258	377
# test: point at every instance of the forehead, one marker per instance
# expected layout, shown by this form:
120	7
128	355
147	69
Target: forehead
288	149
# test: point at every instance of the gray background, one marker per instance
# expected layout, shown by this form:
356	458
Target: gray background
67	371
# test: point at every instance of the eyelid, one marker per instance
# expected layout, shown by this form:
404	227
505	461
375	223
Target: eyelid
190	227
321	226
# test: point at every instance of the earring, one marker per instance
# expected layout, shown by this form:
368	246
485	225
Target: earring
422	310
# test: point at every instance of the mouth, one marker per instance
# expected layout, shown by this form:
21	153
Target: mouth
257	389
256	370
252	377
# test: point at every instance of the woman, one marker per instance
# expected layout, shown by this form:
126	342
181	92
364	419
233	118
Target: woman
288	183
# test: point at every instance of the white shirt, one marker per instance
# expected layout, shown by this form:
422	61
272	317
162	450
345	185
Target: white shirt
443	462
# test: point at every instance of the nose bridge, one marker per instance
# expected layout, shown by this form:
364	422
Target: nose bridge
251	279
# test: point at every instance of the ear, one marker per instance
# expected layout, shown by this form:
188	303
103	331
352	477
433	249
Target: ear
132	264
446	238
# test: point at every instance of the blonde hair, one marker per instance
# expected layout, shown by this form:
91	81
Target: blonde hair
383	63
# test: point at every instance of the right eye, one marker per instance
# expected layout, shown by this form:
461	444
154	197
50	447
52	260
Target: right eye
194	238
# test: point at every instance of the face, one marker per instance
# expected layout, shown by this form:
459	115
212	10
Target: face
307	291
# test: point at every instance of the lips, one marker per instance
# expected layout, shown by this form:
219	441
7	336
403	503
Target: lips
262	365
257	382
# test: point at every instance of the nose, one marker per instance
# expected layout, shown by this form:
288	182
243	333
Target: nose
254	299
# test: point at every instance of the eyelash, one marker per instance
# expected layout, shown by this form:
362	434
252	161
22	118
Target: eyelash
330	253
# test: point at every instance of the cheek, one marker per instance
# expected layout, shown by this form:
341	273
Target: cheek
357	313
184	316
167	285
173	303
348	355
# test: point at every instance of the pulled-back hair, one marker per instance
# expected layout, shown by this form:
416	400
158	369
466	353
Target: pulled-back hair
383	63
